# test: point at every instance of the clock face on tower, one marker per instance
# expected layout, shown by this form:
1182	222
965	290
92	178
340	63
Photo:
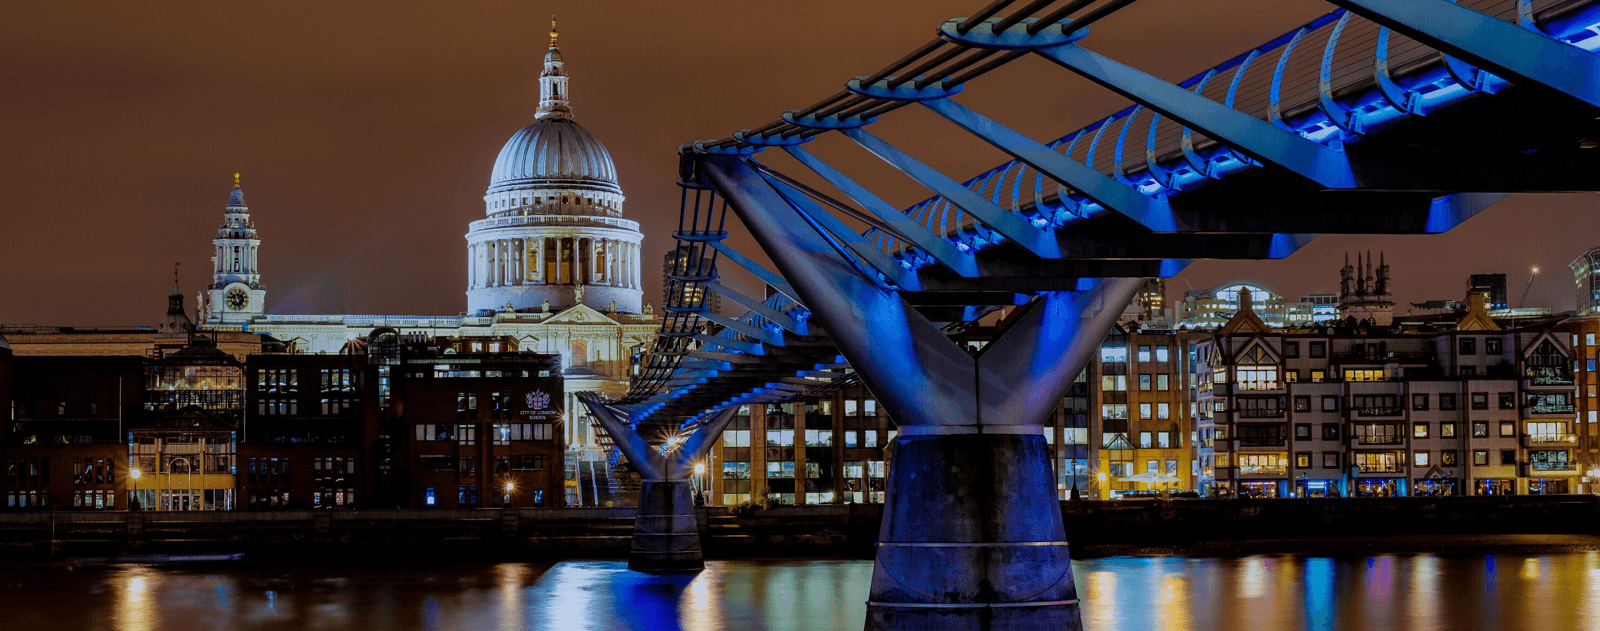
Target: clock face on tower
237	299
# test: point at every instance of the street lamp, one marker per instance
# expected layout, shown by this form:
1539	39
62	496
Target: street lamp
135	473
510	486
699	484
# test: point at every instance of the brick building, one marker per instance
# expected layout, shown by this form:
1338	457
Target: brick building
1464	407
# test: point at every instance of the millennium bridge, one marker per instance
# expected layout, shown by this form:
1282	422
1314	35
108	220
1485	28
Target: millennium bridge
1382	116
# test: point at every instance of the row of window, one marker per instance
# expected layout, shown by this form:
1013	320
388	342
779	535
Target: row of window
1147	440
1124	468
466	434
468	465
1387	461
26	472
499	405
853	469
94	471
1390	433
853	439
1389	403
1147	382
289	406
1147	411
1113	353
266	470
467	497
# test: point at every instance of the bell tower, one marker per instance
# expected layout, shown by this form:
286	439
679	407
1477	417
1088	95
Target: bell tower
235	294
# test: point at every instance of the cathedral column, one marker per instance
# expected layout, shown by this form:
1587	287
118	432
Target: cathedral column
530	266
505	263
588	261
578	261
538	259
480	262
518	260
560	244
611	261
472	279
497	277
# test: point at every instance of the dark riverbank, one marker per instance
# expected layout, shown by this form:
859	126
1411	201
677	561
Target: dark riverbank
1096	529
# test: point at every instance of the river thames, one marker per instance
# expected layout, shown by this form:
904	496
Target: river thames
1419	591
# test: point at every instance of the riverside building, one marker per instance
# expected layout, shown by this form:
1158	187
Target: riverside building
1469	407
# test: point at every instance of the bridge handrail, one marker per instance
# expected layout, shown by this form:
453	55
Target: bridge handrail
1322	80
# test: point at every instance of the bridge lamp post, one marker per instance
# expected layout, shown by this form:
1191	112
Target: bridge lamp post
510	486
135	473
699	483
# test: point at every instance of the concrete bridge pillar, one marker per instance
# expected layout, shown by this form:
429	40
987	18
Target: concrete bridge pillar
666	530
972	536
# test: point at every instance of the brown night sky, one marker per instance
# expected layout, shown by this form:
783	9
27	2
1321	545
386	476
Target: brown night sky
366	131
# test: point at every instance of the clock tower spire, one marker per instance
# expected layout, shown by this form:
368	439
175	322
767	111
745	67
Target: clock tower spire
235	295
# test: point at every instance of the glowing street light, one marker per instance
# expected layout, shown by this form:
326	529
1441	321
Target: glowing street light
135	473
700	468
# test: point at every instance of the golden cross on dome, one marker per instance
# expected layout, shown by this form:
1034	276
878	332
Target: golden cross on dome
235	178
552	31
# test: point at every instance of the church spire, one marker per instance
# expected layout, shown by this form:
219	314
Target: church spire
553	93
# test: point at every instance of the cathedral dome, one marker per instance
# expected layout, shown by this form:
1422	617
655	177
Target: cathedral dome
553	150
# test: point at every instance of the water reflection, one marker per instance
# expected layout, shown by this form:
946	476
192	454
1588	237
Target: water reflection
1559	591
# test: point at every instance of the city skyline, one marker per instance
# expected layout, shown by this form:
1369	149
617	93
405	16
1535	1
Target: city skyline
363	158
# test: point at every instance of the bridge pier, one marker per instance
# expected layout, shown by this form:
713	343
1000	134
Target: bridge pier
972	536
666	530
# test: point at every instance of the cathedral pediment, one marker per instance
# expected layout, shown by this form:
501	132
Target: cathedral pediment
580	314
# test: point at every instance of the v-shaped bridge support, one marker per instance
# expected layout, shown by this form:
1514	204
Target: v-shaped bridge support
666	530
972	534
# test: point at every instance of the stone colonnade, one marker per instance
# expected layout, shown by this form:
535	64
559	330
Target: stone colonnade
573	260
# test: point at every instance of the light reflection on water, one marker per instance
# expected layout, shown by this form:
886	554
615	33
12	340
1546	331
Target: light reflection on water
1557	591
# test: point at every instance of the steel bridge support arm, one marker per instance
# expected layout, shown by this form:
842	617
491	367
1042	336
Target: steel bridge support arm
1514	52
1256	138
1150	212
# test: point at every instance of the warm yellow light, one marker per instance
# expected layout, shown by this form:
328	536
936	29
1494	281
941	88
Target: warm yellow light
700	468
1536	269
135	473
511	486
1102	476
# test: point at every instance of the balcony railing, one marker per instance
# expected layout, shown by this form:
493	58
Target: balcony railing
1388	411
1553	466
1261	441
1552	439
1380	440
1260	413
1549	376
1550	408
1378	468
1259	385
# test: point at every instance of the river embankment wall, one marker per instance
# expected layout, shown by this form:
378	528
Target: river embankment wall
1093	527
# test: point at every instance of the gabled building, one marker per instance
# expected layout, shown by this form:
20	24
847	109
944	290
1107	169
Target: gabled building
1478	408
